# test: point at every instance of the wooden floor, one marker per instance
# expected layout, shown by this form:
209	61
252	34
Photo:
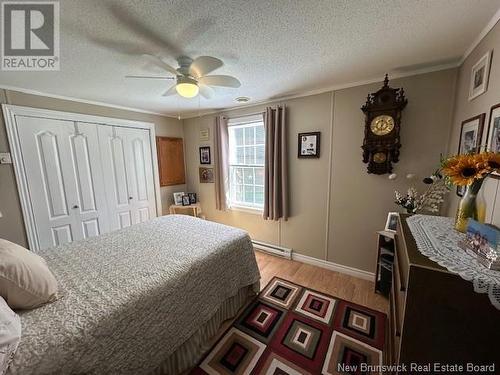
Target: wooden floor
334	283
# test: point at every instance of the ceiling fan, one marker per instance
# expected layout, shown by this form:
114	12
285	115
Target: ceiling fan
191	76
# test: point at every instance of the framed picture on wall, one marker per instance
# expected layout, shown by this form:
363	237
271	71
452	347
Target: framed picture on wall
479	76
206	175
204	134
493	142
309	145
471	134
205	155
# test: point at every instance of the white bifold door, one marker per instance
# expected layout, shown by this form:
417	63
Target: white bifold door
65	179
129	179
85	179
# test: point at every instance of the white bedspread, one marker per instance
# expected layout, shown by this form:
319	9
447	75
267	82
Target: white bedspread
129	298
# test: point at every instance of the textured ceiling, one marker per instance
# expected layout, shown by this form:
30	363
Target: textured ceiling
276	48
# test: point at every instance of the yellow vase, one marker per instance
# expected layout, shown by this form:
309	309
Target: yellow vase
471	206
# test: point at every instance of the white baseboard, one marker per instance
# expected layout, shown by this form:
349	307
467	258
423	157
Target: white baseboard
334	266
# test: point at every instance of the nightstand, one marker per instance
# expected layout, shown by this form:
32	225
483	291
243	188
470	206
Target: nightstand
191	210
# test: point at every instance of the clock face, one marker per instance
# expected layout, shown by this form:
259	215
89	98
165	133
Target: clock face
379	157
382	125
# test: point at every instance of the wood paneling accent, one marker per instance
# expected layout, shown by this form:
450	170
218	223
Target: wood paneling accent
170	161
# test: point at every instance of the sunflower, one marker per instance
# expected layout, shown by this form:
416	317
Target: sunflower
463	170
490	160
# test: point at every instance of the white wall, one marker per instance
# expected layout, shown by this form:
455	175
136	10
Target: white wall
465	109
336	207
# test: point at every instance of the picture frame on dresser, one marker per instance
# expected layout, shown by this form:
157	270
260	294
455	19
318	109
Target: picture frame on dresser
392	222
493	141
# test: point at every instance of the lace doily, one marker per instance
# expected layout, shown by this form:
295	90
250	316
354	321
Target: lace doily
436	239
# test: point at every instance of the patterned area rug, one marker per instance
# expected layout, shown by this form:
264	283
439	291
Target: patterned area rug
291	329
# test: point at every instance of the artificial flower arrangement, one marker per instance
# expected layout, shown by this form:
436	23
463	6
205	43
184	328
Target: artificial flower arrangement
470	170
465	170
430	201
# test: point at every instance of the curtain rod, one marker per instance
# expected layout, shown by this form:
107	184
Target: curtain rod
250	114
245	115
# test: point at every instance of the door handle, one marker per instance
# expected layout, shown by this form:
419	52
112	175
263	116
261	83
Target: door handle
130	198
75	206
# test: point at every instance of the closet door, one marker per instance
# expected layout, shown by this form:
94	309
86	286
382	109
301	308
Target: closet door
86	157
129	181
140	179
64	176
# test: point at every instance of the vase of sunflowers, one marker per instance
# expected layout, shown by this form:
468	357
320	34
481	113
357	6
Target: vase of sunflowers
469	171
471	206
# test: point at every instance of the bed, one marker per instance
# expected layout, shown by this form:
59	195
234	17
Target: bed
140	300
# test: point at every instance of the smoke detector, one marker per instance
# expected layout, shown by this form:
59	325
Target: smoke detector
242	99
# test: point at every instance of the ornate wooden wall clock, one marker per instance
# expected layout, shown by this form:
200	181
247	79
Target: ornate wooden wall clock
382	125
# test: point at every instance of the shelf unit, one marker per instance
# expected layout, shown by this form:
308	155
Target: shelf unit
385	260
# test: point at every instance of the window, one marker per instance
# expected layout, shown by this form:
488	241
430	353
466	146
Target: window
246	162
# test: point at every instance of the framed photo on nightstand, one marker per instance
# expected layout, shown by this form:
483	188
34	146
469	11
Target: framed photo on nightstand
178	198
185	200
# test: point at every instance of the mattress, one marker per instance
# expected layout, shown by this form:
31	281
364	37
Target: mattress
131	298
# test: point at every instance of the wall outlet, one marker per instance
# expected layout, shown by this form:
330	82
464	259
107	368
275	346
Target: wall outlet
5	158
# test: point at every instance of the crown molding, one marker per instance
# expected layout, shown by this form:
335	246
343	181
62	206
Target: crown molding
490	25
247	105
84	101
343	86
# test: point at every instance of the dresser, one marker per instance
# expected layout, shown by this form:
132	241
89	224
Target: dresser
435	315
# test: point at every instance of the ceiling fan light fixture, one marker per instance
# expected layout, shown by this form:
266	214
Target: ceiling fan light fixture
187	87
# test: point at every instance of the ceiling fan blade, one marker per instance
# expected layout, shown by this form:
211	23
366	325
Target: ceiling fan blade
149	77
122	47
133	23
220	80
206	92
170	91
203	65
194	30
155	60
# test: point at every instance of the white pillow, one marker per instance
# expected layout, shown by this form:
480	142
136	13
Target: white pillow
25	280
10	335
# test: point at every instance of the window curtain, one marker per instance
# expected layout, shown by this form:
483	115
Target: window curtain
221	151
276	173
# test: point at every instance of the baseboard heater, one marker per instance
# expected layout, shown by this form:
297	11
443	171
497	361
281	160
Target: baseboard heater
273	249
